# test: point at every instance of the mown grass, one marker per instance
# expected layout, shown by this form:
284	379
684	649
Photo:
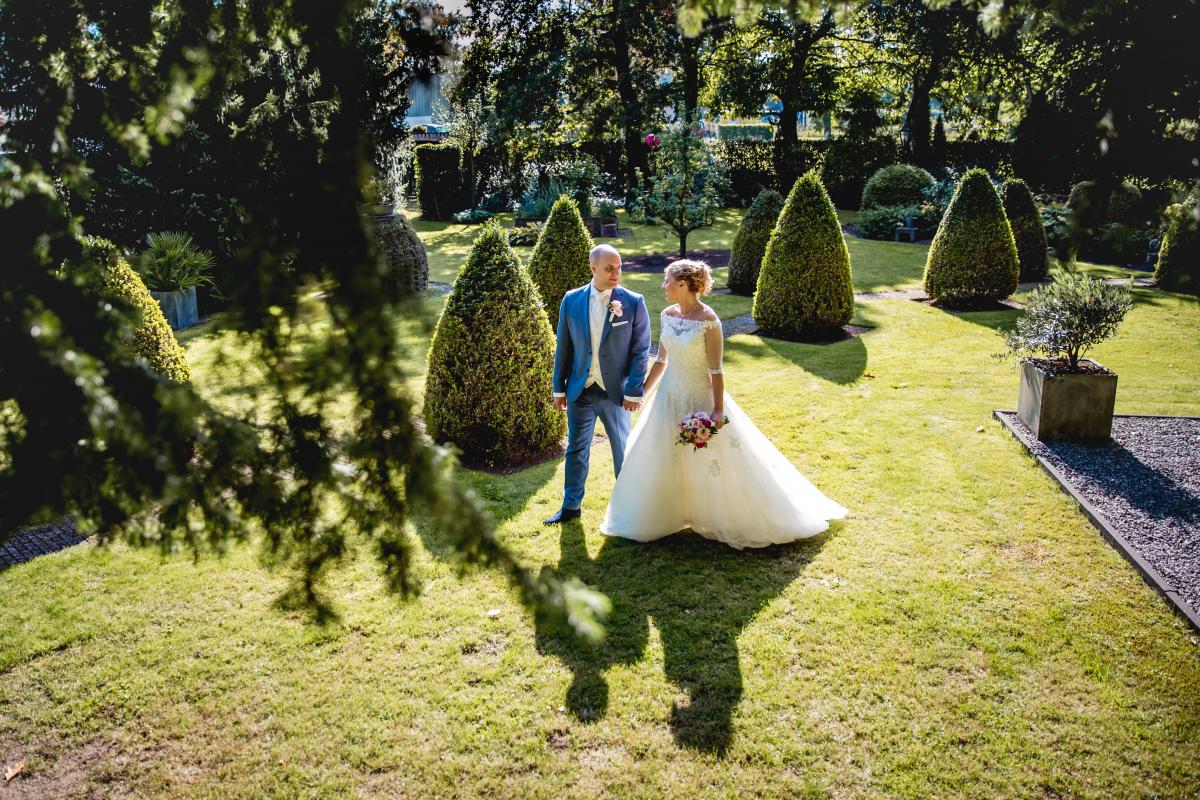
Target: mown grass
965	633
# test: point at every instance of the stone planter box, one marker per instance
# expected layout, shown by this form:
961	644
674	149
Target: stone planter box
1067	407
179	308
595	225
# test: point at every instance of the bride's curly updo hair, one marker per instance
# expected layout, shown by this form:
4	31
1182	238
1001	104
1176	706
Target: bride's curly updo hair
695	274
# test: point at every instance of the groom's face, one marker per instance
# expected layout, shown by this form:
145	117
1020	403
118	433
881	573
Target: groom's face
606	270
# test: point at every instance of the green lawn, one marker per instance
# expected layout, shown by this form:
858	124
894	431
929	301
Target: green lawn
965	633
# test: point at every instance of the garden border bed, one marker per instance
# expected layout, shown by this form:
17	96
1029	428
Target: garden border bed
1148	572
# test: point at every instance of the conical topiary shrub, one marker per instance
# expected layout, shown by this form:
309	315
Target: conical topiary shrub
491	363
1028	232
973	258
404	253
750	244
560	259
804	286
1178	268
153	338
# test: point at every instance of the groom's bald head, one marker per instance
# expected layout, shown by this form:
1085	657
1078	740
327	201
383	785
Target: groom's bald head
604	250
606	267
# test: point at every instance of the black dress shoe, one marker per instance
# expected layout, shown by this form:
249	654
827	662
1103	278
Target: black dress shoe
563	515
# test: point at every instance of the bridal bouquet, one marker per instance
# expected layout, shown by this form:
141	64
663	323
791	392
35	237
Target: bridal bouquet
697	429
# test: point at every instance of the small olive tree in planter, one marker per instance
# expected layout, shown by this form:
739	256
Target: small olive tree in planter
172	267
1064	395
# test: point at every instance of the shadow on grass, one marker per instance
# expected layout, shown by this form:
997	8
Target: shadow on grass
700	595
841	362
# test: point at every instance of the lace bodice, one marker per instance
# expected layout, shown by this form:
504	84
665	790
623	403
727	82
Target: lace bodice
692	349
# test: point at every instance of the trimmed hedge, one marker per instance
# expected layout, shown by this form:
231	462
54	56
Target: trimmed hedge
760	131
153	338
403	253
897	185
973	258
560	259
491	363
804	286
1028	232
1178	268
880	223
849	161
750	244
440	178
1088	208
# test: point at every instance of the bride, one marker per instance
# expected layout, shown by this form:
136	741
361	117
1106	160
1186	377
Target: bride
740	489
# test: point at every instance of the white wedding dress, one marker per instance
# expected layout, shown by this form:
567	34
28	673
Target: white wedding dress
739	490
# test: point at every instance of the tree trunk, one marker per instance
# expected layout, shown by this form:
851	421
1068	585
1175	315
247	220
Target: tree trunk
691	77
920	131
635	157
682	244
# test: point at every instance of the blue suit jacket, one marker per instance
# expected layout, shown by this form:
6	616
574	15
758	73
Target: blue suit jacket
624	345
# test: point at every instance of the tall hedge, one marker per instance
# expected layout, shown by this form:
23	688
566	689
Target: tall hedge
973	258
1178	268
491	363
560	259
439	175
1028	232
804	286
403	254
897	185
750	244
153	338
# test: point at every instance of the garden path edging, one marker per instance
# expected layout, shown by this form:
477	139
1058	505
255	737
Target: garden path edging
1148	572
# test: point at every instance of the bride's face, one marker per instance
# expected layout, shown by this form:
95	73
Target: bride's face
675	291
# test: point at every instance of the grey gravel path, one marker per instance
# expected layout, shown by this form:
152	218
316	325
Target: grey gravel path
1146	483
33	542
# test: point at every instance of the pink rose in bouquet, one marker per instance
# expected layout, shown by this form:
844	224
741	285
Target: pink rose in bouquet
698	429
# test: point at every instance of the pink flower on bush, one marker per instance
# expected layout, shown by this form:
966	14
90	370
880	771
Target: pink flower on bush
651	141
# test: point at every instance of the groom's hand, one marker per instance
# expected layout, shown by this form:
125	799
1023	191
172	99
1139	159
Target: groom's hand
560	403
631	405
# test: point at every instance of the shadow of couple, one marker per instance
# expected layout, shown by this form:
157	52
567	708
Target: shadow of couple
700	595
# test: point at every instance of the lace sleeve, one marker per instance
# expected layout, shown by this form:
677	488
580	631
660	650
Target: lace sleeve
714	344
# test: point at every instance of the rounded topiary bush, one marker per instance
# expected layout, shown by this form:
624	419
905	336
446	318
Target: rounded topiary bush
1178	268
897	185
1088	208
804	286
973	258
153	338
750	244
403	254
1028	232
491	363
1124	204
560	259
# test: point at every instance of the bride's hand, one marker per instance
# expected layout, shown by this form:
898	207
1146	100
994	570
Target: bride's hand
718	416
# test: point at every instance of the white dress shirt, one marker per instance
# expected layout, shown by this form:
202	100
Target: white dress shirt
597	307
597	311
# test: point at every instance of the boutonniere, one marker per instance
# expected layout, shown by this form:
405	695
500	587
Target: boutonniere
614	310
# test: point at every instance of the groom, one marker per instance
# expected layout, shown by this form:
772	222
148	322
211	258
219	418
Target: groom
599	368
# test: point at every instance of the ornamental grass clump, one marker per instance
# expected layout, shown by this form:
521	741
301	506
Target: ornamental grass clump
173	263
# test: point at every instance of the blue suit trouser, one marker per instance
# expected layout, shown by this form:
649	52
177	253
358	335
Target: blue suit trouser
593	402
